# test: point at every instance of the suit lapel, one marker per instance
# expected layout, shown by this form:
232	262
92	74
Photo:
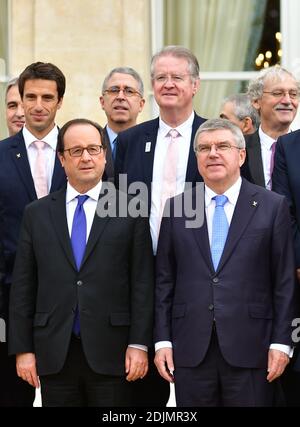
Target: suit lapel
109	166
201	236
255	163
59	176
148	150
98	227
20	159
245	208
59	220
192	169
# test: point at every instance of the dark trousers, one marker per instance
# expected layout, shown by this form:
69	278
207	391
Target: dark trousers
78	385
215	383
13	390
151	391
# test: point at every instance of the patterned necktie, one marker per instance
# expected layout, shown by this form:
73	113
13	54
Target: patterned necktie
273	148
78	241
219	230
114	149
170	171
40	172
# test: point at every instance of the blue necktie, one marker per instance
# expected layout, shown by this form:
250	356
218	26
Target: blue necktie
78	241
219	230
114	149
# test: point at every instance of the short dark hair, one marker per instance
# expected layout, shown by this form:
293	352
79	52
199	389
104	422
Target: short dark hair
45	71
60	139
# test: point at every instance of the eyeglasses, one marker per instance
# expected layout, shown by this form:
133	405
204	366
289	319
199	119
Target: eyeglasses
293	94
127	91
221	147
175	78
93	150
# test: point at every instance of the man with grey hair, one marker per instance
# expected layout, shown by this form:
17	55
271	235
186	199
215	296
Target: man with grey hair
160	154
275	95
15	118
222	313
238	109
122	100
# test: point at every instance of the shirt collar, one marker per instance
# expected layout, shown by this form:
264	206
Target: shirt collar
165	129
232	193
111	134
50	138
93	193
265	139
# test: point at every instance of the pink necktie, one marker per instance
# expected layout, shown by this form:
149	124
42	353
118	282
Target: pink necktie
170	170
40	173
273	148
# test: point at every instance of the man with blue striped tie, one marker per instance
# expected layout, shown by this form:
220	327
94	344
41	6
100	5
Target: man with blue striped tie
224	290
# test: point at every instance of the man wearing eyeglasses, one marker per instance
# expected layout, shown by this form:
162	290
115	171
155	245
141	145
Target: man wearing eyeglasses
122	100
29	169
82	297
275	95
159	153
224	290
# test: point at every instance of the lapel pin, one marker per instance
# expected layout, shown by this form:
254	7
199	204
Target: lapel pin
254	204
18	155
148	147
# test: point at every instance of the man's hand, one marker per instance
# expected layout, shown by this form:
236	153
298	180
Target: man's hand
164	363
136	363
26	368
277	361
298	274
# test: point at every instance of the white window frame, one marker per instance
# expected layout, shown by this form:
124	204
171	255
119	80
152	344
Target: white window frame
289	25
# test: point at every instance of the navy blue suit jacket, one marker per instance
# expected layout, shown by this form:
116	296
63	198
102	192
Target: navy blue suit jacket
134	159
250	296
16	191
286	180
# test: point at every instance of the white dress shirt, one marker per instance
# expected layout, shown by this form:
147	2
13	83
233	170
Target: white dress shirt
161	147
232	194
266	143
89	206
49	150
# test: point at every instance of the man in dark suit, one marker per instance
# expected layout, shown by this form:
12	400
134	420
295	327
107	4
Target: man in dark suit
225	290
42	87
122	100
143	154
82	324
274	93
286	181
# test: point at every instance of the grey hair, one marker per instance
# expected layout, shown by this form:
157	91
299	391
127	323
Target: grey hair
276	72
124	70
13	82
243	107
178	52
219	124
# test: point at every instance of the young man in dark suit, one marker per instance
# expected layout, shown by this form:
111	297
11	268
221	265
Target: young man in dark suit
27	173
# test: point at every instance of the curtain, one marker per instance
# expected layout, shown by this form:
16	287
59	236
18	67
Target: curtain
223	34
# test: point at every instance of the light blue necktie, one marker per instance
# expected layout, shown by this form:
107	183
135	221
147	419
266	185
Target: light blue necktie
219	230
78	241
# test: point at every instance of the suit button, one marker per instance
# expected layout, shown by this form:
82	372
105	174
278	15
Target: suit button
215	280
211	307
79	283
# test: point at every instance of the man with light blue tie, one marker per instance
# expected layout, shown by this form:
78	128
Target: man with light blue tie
82	294
122	100
224	299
